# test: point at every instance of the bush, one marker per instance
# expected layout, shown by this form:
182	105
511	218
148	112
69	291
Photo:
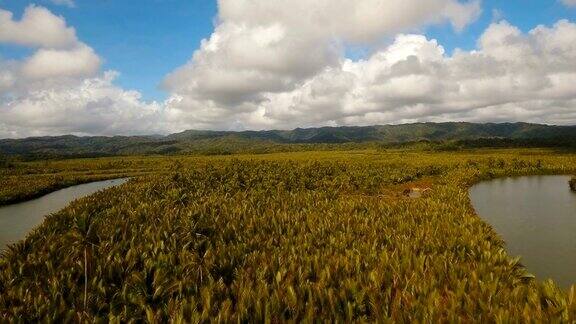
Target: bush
5	163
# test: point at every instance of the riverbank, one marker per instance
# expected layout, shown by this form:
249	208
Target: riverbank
23	181
18	220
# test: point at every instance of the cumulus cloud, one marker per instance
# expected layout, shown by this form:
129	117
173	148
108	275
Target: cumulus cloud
280	64
271	46
511	76
358	21
262	48
48	63
94	106
59	59
37	28
239	63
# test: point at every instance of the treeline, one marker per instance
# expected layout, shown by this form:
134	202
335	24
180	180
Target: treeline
554	142
217	144
564	143
220	147
436	136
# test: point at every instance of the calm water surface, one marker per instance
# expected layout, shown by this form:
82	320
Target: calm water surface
536	216
17	220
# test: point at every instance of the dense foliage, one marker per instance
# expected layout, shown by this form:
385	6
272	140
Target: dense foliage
301	236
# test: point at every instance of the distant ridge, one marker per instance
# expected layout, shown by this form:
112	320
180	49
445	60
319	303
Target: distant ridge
392	133
196	141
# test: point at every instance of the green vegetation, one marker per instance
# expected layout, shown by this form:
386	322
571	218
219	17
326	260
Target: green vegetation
433	136
281	237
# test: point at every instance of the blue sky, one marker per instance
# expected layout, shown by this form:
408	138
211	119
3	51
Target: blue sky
146	39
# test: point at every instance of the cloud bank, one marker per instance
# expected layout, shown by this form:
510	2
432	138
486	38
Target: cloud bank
281	64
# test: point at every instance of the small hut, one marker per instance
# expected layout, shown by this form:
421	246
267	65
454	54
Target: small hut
573	183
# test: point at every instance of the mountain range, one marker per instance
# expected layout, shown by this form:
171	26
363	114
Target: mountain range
223	142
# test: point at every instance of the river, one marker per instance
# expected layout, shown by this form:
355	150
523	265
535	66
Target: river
536	217
17	220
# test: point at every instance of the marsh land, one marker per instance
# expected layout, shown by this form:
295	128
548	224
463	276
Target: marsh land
273	237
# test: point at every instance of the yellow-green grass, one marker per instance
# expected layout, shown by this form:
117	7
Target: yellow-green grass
284	237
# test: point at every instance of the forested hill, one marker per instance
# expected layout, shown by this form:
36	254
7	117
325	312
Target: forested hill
392	133
222	142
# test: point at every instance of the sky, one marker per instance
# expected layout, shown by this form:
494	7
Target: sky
104	67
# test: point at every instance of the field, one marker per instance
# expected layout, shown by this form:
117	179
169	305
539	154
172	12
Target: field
294	237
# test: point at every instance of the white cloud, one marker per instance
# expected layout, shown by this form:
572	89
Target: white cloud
60	59
50	63
37	28
260	48
356	21
239	63
7	77
512	76
460	15
271	46
94	106
280	64
569	3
